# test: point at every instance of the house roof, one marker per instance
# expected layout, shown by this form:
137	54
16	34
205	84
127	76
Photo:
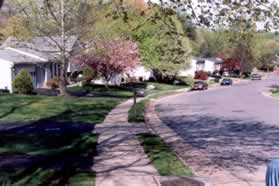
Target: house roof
213	60
44	47
18	58
36	50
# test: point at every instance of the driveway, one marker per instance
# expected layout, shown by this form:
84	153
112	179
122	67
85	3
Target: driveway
236	128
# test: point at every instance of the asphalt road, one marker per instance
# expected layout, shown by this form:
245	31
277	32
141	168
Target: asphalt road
236	127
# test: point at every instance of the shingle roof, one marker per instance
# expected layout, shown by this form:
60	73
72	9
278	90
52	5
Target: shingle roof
36	48
214	60
17	58
44	47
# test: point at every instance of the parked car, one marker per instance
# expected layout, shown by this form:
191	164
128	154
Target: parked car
234	75
256	77
227	81
200	85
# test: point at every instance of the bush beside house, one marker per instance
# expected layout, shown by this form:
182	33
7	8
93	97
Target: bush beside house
23	83
88	74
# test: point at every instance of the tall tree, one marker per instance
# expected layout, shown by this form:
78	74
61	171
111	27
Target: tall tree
164	47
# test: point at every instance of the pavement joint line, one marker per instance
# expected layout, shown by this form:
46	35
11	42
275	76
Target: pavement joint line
120	153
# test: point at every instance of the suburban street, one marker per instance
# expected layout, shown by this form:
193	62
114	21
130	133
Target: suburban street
236	128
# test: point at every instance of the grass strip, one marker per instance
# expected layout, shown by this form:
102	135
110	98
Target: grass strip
162	157
137	112
275	92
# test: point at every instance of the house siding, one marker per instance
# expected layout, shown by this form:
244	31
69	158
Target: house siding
40	73
200	64
6	74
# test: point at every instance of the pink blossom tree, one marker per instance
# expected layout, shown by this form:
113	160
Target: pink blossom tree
110	58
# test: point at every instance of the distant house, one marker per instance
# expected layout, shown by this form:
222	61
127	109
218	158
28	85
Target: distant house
39	57
139	73
202	64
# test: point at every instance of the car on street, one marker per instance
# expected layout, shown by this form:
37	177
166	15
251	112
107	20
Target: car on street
227	81
200	85
235	75
256	77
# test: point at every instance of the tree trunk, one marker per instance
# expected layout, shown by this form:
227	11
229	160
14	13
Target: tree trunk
63	66
63	80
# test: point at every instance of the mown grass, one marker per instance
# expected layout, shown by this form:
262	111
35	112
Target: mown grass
99	90
162	157
56	144
33	108
162	87
136	113
275	92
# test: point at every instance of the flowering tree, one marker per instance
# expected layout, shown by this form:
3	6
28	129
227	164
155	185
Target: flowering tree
110	58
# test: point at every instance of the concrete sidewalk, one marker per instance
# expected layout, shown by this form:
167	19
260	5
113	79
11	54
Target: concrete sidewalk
121	160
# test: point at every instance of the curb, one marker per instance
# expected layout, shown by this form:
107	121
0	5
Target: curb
156	126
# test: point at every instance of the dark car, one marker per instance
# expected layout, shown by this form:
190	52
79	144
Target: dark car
200	85
227	81
235	75
256	77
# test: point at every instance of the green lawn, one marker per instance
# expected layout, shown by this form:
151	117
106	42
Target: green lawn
33	108
162	157
58	146
98	90
162	87
125	90
275	92
137	112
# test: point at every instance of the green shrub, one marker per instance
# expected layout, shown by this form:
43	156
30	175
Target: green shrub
23	83
88	74
185	80
275	91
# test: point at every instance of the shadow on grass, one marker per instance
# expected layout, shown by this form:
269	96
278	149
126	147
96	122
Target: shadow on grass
47	152
121	92
16	107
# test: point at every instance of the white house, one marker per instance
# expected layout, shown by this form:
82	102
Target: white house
205	64
39	57
139	73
